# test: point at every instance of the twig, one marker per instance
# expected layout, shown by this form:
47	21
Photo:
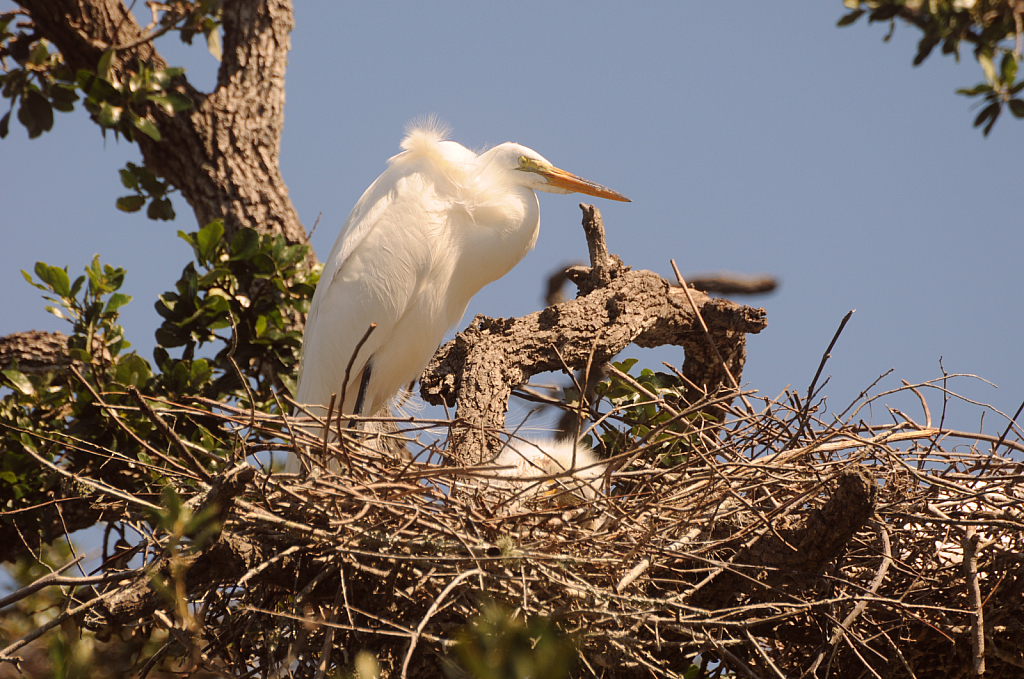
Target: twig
969	543
814	380
430	612
707	333
170	434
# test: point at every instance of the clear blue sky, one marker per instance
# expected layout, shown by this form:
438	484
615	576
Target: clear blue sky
752	137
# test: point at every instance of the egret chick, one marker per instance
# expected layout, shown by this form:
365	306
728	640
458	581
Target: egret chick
527	460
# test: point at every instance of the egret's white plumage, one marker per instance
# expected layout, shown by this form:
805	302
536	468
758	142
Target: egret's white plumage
439	224
523	464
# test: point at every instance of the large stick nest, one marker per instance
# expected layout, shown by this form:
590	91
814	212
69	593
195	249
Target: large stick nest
776	543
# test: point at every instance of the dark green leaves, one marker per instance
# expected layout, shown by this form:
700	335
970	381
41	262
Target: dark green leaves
251	287
123	104
989	113
645	417
130	203
147	187
951	24
40	85
35	113
850	18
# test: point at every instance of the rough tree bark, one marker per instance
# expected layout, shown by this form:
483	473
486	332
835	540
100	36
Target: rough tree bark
616	307
223	153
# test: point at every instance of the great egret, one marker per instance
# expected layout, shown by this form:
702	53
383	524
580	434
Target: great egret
438	225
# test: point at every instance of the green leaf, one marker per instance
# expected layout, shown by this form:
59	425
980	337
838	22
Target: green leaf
19	381
990	111
1008	68
80	355
130	203
145	126
245	244
989	68
35	113
9	476
160	208
103	67
975	91
63	98
208	238
850	18
150	184
1016	107
128	179
116	301
55	277
172	102
884	13
213	43
132	370
626	364
924	48
109	115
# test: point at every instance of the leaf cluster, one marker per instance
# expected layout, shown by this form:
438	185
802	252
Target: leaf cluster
39	83
993	27
645	419
257	287
120	104
147	186
253	287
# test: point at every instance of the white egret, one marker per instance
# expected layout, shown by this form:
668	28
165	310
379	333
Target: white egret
526	461
438	225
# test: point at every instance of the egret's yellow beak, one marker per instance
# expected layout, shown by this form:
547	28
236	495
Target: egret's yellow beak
570	182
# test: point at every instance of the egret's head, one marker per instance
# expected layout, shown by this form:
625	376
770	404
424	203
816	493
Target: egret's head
539	174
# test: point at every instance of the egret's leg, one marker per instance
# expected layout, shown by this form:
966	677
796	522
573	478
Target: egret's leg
363	384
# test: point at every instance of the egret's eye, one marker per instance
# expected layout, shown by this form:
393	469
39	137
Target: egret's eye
528	164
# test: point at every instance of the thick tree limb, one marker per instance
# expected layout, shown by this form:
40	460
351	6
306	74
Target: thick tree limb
733	284
806	548
34	351
618	307
223	153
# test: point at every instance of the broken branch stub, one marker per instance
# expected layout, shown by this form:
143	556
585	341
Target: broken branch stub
616	307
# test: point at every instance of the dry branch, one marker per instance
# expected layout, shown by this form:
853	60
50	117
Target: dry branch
223	153
617	307
757	559
34	352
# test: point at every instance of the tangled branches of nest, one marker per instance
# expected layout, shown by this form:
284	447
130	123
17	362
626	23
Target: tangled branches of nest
766	541
848	550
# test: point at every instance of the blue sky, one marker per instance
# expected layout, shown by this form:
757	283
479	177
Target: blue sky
752	137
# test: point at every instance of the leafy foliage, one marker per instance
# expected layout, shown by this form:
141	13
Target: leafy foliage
147	186
646	419
120	105
499	645
40	85
254	287
42	82
993	27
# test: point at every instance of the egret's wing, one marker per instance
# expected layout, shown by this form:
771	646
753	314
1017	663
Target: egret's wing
377	266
